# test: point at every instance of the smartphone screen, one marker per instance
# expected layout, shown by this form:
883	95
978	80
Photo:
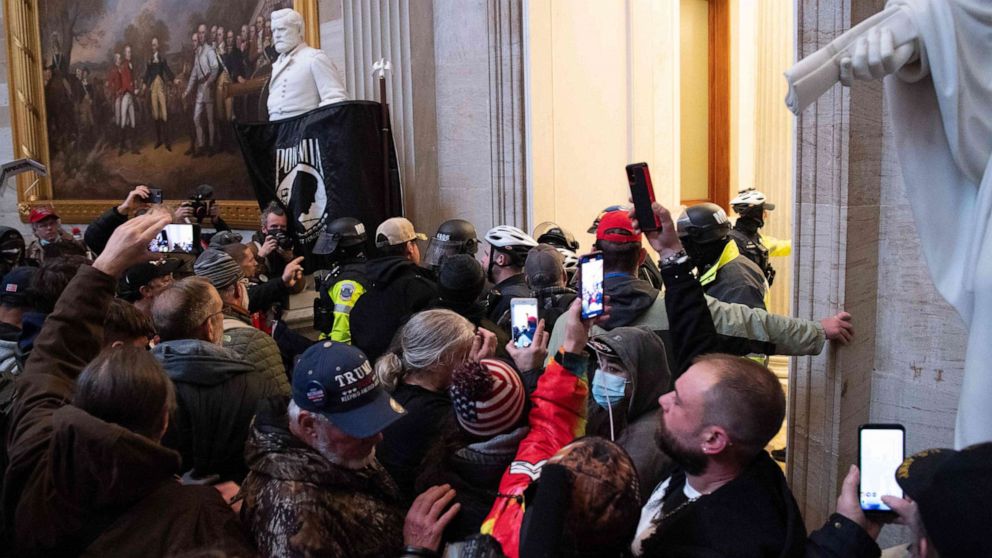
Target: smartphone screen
523	321
881	450
591	284
642	192
174	238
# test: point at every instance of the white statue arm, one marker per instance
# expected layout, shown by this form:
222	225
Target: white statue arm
880	45
328	79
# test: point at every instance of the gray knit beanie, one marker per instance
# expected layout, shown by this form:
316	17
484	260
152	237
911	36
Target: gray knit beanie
218	267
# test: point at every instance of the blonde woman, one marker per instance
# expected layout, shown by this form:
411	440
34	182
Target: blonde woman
417	370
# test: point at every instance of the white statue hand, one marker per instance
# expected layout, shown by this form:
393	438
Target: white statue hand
874	56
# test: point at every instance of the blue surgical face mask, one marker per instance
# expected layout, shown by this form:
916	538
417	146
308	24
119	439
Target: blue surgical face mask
608	389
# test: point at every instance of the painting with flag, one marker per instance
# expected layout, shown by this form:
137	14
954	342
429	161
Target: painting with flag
335	161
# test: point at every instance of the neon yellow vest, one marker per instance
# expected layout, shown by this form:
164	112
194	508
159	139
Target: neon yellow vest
344	294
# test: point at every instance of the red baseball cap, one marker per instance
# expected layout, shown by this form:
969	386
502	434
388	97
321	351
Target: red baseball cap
615	226
41	213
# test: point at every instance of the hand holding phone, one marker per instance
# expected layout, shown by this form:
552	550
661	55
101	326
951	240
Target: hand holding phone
523	321
591	285
180	238
642	192
881	450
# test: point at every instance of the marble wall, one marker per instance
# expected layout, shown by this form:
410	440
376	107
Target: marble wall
857	249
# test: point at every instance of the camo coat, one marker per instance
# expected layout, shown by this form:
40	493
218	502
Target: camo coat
296	503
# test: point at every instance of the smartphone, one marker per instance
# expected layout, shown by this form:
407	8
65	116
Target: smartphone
881	450
175	238
154	195
642	192
591	284
523	321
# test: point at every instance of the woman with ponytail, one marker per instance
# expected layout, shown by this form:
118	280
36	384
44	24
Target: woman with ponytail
417	370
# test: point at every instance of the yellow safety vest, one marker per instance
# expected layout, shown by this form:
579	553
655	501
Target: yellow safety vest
344	294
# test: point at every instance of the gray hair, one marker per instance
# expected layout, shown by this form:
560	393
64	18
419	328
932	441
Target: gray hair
292	17
430	338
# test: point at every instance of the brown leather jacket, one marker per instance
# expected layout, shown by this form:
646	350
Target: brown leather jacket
77	485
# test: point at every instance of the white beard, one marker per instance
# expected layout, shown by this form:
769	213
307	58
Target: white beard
353	464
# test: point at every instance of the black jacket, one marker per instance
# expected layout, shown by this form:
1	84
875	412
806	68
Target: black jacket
398	289
406	441
261	296
753	515
629	298
740	281
98	232
474	468
216	392
500	296
552	303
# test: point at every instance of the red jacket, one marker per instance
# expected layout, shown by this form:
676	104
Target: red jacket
557	416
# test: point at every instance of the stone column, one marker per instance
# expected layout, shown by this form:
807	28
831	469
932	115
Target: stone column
838	179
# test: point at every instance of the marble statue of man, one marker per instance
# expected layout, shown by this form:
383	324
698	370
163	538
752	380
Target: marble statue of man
935	54
303	78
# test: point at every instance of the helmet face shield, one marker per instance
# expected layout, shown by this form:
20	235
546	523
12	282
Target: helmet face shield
437	250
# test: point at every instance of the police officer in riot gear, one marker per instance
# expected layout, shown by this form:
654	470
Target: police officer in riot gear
454	236
343	243
724	273
750	206
561	240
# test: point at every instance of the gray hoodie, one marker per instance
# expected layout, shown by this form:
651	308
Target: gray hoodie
636	419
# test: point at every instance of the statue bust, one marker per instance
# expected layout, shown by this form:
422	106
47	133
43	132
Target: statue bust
303	78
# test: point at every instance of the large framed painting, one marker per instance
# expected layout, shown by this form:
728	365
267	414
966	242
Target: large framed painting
101	93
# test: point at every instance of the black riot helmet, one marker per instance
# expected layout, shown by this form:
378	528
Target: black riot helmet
704	229
454	236
555	235
11	249
343	232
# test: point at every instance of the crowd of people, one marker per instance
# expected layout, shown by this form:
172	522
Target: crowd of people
157	404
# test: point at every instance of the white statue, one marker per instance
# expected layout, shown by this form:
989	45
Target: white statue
937	55
303	78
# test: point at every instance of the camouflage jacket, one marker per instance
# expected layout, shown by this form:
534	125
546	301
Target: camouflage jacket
296	503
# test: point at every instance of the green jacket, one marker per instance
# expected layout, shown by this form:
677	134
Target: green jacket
780	335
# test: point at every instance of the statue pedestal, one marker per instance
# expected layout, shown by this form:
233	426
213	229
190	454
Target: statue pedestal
299	314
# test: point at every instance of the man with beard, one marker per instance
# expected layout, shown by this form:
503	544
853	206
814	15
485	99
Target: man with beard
727	497
314	481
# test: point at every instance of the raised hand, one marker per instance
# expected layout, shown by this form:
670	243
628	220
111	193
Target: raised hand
128	246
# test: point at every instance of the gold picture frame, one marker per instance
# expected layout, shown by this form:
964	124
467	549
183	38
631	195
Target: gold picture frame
28	118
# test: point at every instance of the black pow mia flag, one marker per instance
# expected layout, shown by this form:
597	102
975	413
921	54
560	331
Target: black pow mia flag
319	166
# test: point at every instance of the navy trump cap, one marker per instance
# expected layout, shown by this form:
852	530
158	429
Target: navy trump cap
337	381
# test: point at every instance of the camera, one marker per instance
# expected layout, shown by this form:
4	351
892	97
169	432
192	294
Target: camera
200	201
155	195
282	239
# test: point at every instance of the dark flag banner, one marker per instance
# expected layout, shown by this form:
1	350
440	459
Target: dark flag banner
324	164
